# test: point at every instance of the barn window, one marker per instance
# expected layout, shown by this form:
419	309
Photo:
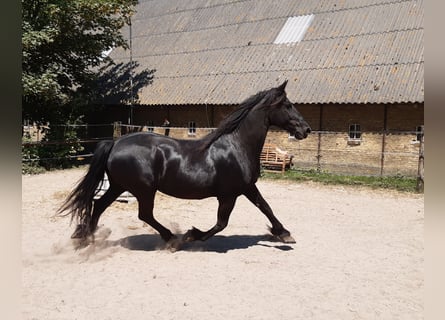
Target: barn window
355	134
192	128
419	133
294	29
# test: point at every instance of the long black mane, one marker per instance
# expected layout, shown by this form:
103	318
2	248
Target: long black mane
234	119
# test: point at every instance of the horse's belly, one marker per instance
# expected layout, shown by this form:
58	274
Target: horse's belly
188	182
186	191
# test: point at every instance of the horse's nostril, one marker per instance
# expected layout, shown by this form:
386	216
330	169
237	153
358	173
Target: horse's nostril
308	130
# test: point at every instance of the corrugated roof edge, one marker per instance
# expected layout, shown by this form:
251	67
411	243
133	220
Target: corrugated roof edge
298	103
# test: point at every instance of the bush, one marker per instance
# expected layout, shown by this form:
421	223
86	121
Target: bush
64	145
58	149
30	157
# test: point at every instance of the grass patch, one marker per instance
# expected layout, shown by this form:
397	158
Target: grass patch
399	183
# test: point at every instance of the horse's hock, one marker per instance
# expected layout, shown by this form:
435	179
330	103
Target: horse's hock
274	159
103	187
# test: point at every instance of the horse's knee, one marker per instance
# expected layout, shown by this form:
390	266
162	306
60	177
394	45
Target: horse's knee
146	218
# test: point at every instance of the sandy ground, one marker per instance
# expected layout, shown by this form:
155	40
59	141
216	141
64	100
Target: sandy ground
359	255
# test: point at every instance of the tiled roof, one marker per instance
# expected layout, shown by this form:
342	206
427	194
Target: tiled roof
222	51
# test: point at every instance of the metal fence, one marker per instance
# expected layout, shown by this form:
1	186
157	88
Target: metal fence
318	152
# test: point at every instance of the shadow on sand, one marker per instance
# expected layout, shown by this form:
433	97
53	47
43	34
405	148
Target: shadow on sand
220	244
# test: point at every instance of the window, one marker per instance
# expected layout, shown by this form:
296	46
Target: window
192	128
355	132
294	29
419	133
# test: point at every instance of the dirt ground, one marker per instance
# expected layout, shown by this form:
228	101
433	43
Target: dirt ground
359	255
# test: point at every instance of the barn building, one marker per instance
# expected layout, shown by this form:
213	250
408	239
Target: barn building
355	71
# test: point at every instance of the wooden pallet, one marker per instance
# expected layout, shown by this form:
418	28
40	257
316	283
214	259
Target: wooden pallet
274	159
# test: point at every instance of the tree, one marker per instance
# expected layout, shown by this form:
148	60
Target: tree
63	42
62	51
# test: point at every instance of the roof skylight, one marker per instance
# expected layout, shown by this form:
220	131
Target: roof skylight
294	29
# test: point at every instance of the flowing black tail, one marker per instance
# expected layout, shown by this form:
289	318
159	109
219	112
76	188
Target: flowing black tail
80	201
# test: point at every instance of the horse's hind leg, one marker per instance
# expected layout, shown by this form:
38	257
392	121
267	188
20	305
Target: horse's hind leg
146	204
224	210
254	195
84	230
102	203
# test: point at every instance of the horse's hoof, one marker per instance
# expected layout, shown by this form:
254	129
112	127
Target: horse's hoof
286	239
188	236
174	244
193	234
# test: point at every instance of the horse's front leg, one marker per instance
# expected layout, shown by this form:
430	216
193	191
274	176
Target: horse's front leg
225	208
254	195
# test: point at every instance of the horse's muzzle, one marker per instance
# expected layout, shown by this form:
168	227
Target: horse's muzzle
301	134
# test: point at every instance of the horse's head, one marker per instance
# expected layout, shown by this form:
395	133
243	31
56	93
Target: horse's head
283	114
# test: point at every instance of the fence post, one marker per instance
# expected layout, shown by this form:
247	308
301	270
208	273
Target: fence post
318	156
117	129
320	128
384	134
420	169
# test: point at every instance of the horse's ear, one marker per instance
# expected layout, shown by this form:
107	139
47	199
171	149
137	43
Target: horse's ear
282	86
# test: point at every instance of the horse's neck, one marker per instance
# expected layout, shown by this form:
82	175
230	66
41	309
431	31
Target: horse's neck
253	131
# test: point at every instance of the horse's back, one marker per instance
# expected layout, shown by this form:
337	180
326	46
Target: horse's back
180	168
150	160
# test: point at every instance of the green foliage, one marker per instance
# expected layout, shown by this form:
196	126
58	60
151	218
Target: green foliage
66	146
62	53
62	42
57	150
400	183
30	157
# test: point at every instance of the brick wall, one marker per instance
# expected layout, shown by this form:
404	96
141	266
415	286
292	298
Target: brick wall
389	150
331	152
387	145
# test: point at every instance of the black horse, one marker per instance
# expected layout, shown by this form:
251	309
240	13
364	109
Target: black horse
224	164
